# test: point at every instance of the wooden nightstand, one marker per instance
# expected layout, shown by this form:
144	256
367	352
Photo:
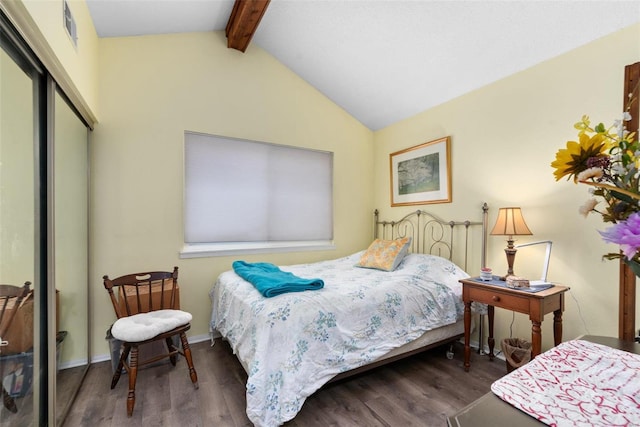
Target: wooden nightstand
535	304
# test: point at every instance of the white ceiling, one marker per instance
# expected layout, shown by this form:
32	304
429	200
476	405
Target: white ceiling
387	60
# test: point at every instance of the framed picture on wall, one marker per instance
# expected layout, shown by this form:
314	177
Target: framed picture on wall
421	175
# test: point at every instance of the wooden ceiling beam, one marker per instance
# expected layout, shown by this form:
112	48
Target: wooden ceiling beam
243	22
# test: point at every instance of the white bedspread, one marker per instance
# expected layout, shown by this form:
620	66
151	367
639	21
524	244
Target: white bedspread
294	343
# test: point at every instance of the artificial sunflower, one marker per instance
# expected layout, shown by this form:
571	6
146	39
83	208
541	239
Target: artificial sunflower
608	161
572	160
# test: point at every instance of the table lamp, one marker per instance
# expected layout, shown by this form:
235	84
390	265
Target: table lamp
545	267
510	223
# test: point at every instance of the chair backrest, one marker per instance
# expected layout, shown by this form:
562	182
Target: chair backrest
143	292
10	299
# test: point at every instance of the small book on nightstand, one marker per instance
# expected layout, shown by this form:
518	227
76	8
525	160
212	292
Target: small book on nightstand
534	283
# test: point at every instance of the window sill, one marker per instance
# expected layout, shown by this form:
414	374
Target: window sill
201	250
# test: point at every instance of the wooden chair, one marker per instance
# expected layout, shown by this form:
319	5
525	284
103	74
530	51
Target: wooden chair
143	319
10	299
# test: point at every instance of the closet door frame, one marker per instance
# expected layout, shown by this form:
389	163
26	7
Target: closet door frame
14	46
44	325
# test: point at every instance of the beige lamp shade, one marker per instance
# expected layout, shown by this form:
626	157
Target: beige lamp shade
510	222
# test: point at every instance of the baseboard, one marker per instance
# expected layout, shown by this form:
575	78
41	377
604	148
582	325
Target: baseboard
485	351
73	364
107	357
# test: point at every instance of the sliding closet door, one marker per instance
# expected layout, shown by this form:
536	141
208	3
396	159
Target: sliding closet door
19	248
70	194
43	238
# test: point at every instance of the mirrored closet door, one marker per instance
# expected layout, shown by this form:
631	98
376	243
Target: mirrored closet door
70	249
19	247
44	352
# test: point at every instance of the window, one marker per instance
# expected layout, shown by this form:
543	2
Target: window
246	196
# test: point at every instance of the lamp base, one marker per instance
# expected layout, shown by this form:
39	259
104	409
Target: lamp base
510	250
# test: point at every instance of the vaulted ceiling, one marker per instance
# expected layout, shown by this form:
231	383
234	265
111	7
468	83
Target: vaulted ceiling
386	60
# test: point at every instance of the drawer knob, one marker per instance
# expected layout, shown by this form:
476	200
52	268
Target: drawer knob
496	298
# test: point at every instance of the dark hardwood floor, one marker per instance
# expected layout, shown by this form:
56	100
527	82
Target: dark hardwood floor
419	391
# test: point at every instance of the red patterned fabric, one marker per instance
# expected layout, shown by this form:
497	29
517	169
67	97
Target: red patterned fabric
577	383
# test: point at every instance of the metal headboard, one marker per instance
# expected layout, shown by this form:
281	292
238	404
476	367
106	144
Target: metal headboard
432	235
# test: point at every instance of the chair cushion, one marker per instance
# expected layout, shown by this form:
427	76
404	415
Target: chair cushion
144	326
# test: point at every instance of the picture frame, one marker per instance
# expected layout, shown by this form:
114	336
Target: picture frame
421	175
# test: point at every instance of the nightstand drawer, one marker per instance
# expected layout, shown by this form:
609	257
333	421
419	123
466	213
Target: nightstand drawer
536	304
499	299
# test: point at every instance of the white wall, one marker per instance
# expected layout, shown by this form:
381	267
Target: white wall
504	137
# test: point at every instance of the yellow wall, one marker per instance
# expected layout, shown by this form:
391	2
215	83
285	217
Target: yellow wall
80	63
148	90
504	136
152	89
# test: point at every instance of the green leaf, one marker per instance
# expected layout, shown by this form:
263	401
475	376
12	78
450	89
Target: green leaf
600	128
611	256
628	177
622	197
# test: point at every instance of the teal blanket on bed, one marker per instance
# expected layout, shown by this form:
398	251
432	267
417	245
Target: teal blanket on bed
270	281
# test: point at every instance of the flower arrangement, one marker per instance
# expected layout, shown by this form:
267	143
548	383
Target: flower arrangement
607	159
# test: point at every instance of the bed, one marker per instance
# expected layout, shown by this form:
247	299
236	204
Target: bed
292	344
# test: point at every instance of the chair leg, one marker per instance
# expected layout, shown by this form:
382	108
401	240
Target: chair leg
118	372
187	355
8	401
173	358
133	374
